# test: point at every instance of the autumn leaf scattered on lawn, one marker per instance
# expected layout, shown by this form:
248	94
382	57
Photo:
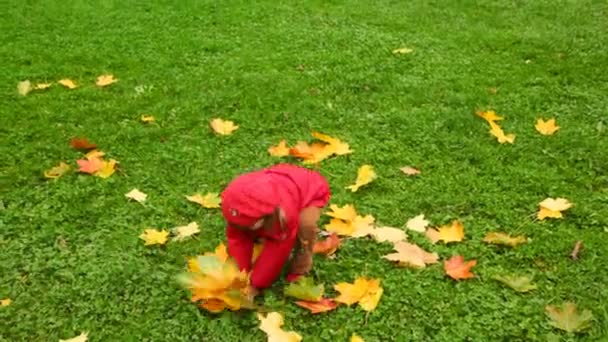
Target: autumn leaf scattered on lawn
410	255
499	238
91	166
338	147
323	305
147	118
137	195
42	86
305	289
223	127
184	232
94	154
108	168
356	338
82	144
105	80
458	269
578	246
24	87
553	208
410	171
345	213
388	234
519	284
489	116
452	232
417	224
319	151
154	237
365	175
210	200
83	337
271	325
402	51
280	150
346	222
500	135
68	83
566	317
366	292
328	246
5	302
546	127
57	171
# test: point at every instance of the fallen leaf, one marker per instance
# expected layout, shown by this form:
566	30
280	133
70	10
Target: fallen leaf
519	284
323	305
402	51
489	116
578	246
336	145
221	252
552	208
500	135
362	226
68	83
457	269
388	234
42	86
147	118
210	200
184	232
339	227
345	213
5	302
410	171
137	195
546	127
154	237
105	80
305	289
90	165
271	325
311	154
453	232
82	144
566	317
410	255
366	292
223	127
57	171
328	246
499	238
83	337
356	338
94	154
108	168
24	87
280	150
365	175
417	224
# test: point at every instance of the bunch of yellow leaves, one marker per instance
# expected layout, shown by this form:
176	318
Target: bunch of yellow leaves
491	117
366	292
95	164
216	282
346	222
312	153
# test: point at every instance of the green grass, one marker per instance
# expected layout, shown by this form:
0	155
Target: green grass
70	257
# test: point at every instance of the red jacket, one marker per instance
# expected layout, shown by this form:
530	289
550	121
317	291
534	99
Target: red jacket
256	194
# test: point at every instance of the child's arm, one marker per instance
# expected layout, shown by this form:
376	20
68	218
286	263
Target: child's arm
240	247
270	262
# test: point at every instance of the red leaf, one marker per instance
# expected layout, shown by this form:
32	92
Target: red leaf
458	269
90	166
82	144
323	305
327	246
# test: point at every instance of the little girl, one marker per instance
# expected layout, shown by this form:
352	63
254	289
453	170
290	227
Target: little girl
280	204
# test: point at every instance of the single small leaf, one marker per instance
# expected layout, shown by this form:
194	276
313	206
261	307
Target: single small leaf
458	269
345	213
5	302
546	127
362	226
370	300
24	87
184	232
42	86
500	135
499	238
402	51
356	338
328	246
94	154
417	224
90	165
366	292
57	171
552	208
323	305
410	171
453	232
271	325
223	127
83	337
68	83
280	150
566	317
519	284
305	289
107	169
136	195
313	153
337	146
489	116
410	255
210	200
147	118
154	237
105	80
388	234
82	144
365	175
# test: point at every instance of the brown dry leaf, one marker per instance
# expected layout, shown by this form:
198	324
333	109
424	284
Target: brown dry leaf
546	127
458	269
367	292
553	208
388	234
280	150
57	171
136	195
410	255
417	224
147	118
82	144
105	80
210	200
24	87
500	135
83	337
410	171
154	237
68	83
328	246
271	325
184	232
453	232
365	175
499	238
323	305
223	127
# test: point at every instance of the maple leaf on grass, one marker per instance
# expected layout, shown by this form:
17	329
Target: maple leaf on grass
519	284
410	255
5	302
24	87
271	325
500	135
328	246
453	232
154	237
311	154
553	208
305	289
147	118
68	83
567	317
365	175
323	305
136	195
280	150
546	127
82	144
417	223
83	337
356	338
458	269
366	292
489	116
223	127
345	213
57	171
105	80
338	147
184	232
107	169
499	238
90	166
410	171
388	234
210	200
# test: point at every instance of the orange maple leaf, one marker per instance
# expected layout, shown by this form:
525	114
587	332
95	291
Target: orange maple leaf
457	269
327	246
323	305
280	150
90	165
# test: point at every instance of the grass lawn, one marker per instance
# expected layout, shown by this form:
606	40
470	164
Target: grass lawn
70	256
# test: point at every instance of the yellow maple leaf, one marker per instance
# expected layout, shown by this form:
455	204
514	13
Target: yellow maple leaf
184	232
83	337
147	118
42	86
223	127
362	226
154	237
24	87
271	325
546	127
346	212
366	292
94	154
280	150
499	238
356	338
210	200
365	175
5	302
105	80
68	83
136	195
337	146
553	208
489	116
453	232
57	171
339	227
388	234
410	255
313	153
496	131
107	170
417	224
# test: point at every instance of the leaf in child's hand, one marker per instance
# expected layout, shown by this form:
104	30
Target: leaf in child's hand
305	289
457	269
323	305
365	175
566	317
